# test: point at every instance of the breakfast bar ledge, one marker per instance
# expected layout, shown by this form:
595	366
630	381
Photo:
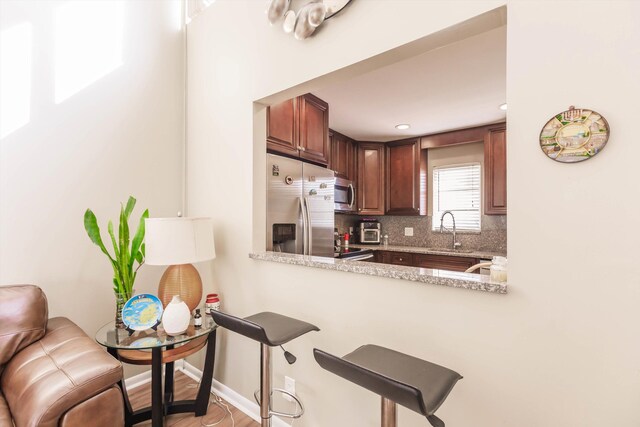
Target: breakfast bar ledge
474	282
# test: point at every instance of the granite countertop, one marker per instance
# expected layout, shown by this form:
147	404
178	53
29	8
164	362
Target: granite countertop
431	251
476	282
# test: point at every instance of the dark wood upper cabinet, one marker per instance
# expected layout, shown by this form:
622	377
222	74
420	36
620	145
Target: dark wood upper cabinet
343	155
495	172
495	160
339	155
353	162
282	127
299	127
456	137
314	129
406	169
370	194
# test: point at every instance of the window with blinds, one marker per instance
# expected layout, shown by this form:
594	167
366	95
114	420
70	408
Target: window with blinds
457	189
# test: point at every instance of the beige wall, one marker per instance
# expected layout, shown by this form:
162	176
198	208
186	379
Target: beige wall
561	349
121	135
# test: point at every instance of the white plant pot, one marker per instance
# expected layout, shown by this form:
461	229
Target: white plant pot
176	317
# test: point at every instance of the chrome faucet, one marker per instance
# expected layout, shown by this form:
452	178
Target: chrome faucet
456	244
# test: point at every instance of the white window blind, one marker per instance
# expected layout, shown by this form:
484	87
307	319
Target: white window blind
457	189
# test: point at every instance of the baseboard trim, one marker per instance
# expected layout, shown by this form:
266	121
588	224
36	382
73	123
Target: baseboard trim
137	380
145	377
244	405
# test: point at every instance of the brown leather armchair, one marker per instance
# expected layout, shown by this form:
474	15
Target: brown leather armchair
51	372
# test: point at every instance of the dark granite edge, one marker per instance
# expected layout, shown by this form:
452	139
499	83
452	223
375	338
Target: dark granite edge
414	274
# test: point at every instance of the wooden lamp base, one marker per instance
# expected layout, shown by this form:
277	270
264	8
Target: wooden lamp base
183	280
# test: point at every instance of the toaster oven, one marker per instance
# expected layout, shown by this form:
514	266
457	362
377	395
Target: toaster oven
370	233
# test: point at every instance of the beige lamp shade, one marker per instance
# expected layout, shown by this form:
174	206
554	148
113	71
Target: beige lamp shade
174	241
178	242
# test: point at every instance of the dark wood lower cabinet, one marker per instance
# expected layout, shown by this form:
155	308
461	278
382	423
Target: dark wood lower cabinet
444	262
440	262
401	258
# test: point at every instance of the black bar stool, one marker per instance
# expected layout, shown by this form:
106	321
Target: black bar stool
270	330
399	378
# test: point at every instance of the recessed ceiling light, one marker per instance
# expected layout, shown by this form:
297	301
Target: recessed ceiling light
503	107
402	126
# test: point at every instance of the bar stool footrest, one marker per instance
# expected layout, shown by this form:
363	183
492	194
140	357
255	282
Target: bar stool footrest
298	414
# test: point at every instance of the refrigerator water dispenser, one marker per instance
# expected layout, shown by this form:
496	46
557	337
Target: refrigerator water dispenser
284	238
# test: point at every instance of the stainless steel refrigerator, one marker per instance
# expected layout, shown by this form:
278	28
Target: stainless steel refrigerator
300	207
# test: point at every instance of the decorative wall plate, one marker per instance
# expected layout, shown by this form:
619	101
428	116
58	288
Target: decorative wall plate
574	135
302	18
142	312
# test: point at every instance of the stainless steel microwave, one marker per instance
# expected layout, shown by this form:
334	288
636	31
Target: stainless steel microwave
344	196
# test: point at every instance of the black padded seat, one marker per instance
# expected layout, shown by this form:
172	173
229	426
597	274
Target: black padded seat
411	382
267	328
270	330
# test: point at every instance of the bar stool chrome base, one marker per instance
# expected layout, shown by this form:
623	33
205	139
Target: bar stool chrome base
298	414
264	399
389	413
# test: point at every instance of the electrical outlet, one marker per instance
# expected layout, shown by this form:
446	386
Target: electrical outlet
408	231
290	386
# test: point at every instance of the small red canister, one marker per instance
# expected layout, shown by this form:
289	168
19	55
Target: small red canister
212	303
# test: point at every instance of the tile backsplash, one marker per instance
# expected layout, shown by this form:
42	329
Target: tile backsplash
492	238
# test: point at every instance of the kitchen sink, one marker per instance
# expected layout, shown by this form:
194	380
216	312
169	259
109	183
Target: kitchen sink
453	251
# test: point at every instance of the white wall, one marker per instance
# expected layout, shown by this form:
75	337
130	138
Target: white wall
120	135
562	348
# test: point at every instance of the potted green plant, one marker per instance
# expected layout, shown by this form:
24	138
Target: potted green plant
126	252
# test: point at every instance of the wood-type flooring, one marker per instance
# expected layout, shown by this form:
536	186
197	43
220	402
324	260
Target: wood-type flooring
185	388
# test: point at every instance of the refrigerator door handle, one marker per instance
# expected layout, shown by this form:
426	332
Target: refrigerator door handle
353	195
309	226
305	226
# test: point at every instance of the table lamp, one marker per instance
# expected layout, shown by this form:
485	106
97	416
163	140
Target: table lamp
179	242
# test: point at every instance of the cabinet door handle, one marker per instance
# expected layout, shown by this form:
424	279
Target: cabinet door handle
353	195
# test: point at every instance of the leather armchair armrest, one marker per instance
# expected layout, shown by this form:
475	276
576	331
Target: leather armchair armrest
23	318
52	375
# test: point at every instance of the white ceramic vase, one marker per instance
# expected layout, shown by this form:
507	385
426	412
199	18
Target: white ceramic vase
176	317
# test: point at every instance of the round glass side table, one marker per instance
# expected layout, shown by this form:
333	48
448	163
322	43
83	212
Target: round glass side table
156	348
